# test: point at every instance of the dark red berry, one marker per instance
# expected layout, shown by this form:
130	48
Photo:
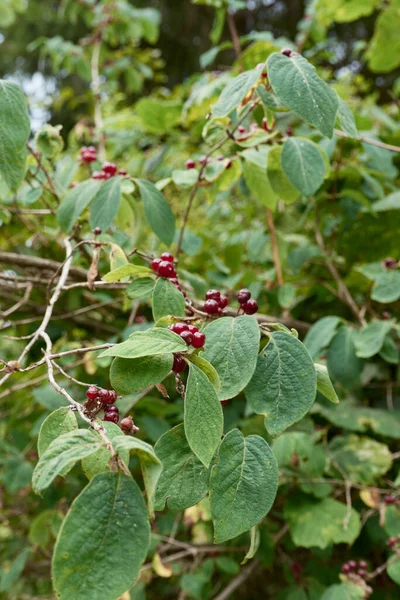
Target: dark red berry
128	426
187	337
389	500
228	164
220	157
166	269
352	564
167	256
386	315
265	124
223	402
391	542
113	417
213	295
289	131
109	168
250	307
363	564
110	408
89	154
390	263
211	307
362	573
155	264
190	164
192	328
346	569
98	175
223	301
122	172
109	397
92	392
243	295
199	339
97	231
286	52
241	129
179	328
179	364
264	75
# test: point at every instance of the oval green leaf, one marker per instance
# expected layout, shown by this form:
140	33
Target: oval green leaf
147	343
129	375
303	164
167	300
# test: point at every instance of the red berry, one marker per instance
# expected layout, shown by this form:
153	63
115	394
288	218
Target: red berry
264	75
362	573
211	307
199	339
155	264
192	328
179	328
128	426
190	164
109	397
223	402
346	569
390	263
386	315
98	175
213	295
220	157
179	364
250	307
265	124
223	301
88	155
111	415
243	295
241	129
97	231
123	172
166	269
187	337
109	168
289	131
74	184
167	256
352	564
286	52
92	392
389	500
391	542
363	564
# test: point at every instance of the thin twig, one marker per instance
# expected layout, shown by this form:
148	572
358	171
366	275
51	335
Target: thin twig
98	118
238	580
275	247
24	300
371	142
235	38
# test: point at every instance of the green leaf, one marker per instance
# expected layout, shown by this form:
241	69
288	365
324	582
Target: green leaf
344	591
157	212
243	484
344	366
147	343
61	421
286	295
384	48
390	351
254	544
63	452
324	384
140	288
277	178
167	300
346	119
204	421
99	462
387	287
158	116
361	418
184	479
129	375
105	204
391	202
16	474
231	347
255	174
126	270
295	82
103	540
149	462
15	130
311	459
234	93
75	201
12	575
393	571
283	386
320	335
320	523
207	369
363	459
185	178
303	165
369	340
42	527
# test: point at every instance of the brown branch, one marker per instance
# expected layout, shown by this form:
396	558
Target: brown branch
95	72
34	262
371	142
275	247
235	38
238	580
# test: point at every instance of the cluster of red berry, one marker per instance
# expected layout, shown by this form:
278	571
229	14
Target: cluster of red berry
360	568
215	302
190	334
248	305
393	542
88	154
108	169
164	266
104	399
